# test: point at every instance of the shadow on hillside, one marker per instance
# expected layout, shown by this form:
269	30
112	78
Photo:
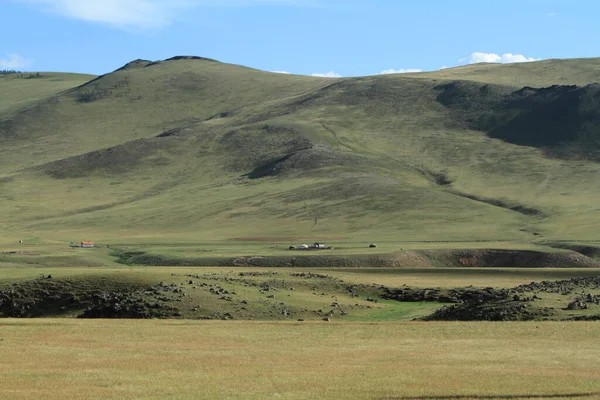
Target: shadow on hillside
499	397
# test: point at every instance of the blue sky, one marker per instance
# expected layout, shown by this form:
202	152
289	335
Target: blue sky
327	37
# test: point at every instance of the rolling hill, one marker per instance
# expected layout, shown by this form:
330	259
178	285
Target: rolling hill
193	149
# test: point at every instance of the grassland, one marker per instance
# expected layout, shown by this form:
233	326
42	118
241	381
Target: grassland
58	359
195	162
395	277
23	90
263	252
363	352
210	152
457	277
539	74
251	293
215	293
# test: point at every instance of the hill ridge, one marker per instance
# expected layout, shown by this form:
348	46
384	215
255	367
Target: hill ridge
217	150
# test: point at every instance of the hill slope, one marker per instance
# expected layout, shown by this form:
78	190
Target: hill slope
196	149
21	90
538	74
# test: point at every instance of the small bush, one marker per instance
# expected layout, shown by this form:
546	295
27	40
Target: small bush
34	76
89	96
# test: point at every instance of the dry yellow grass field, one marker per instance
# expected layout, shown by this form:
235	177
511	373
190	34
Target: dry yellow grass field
72	359
456	277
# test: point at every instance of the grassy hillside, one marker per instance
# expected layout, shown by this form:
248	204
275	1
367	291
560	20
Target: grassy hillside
192	150
537	74
21	90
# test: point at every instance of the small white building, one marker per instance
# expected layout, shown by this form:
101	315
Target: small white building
87	244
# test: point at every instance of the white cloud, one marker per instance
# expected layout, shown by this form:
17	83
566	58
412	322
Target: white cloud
280	72
399	71
141	14
506	58
329	74
444	67
145	14
14	61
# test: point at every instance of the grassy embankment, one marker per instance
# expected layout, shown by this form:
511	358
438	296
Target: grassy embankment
274	252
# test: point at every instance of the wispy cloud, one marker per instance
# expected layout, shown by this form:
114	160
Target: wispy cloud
280	72
146	14
329	74
14	61
399	71
506	58
140	14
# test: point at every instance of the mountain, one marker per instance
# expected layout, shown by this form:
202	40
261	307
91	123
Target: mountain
193	149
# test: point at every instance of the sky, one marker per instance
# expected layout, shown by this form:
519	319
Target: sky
309	37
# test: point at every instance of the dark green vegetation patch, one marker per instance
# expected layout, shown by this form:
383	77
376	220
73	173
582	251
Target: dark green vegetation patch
563	120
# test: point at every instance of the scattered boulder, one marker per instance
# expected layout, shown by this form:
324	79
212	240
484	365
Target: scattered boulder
46	297
590	298
488	311
119	305
585	318
310	275
577	305
258	273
